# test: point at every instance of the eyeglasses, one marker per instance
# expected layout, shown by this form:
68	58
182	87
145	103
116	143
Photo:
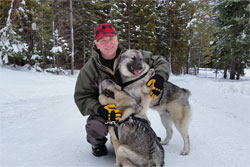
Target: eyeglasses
106	40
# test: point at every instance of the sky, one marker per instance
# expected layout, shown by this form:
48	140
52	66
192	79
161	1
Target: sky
41	126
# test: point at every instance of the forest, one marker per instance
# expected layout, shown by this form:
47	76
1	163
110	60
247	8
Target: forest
59	34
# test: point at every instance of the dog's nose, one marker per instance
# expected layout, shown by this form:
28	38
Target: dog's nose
139	66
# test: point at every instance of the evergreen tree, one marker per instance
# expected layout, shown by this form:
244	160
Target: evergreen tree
145	24
13	48
4	9
172	33
43	21
86	22
191	8
233	36
122	11
135	22
202	37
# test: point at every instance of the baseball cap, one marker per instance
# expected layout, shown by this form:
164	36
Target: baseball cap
104	30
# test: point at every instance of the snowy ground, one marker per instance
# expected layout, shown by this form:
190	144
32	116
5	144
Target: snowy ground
41	126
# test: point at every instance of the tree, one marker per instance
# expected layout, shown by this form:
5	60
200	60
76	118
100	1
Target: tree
72	38
135	22
60	46
172	33
84	13
202	34
232	43
13	49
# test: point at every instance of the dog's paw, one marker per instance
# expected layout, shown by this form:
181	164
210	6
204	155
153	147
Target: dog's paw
164	143
184	153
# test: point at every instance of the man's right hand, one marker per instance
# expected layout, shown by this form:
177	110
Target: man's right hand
109	112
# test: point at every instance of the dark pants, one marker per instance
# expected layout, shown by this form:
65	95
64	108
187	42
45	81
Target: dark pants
96	130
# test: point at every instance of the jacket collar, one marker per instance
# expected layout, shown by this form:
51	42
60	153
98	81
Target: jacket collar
96	53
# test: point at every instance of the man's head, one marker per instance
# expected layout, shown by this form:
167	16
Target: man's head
106	40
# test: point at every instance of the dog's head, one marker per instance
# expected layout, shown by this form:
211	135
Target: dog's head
107	89
132	63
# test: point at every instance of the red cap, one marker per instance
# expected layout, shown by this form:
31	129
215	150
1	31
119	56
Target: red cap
104	30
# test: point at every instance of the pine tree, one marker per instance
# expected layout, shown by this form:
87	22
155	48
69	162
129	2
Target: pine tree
135	21
122	11
172	33
202	37
233	36
42	18
86	22
13	48
145	24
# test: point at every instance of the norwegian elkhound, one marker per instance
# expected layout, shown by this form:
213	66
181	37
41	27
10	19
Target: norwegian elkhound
135	142
172	104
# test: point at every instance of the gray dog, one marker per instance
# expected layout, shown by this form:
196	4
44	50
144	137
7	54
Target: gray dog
172	104
135	142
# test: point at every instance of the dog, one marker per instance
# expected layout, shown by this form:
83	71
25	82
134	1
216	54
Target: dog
135	142
172	104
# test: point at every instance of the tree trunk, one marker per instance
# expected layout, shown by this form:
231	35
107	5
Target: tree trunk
129	22
43	52
216	72
199	61
170	51
84	49
9	13
232	69
200	54
170	62
72	38
225	70
195	72
188	58
189	44
54	41
238	67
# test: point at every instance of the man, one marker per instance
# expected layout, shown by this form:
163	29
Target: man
103	64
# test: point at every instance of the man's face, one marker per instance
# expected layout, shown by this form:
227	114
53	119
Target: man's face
108	46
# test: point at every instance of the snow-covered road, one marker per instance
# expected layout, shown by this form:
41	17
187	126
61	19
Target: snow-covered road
41	126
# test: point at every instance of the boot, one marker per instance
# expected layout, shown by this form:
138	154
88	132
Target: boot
99	150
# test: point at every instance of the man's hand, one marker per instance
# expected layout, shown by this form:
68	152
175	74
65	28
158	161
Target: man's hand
157	85
109	112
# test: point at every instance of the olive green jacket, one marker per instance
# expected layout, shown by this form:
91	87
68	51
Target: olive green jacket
86	89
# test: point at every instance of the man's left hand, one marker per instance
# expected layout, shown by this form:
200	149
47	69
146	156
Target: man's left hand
157	85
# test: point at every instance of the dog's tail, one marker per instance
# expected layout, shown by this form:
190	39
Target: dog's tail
187	92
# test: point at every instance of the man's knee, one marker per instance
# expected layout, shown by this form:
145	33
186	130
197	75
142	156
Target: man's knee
96	127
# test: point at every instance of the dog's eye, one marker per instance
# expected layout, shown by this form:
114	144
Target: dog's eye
134	58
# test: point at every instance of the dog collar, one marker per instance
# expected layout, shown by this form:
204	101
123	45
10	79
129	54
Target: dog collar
132	81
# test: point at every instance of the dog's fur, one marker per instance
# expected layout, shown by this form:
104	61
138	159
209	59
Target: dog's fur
172	104
137	144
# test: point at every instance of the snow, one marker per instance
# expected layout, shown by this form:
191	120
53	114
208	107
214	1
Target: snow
190	23
211	43
5	59
243	35
19	47
41	125
34	26
56	49
35	56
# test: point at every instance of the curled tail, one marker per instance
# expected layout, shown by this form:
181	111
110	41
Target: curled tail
186	91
